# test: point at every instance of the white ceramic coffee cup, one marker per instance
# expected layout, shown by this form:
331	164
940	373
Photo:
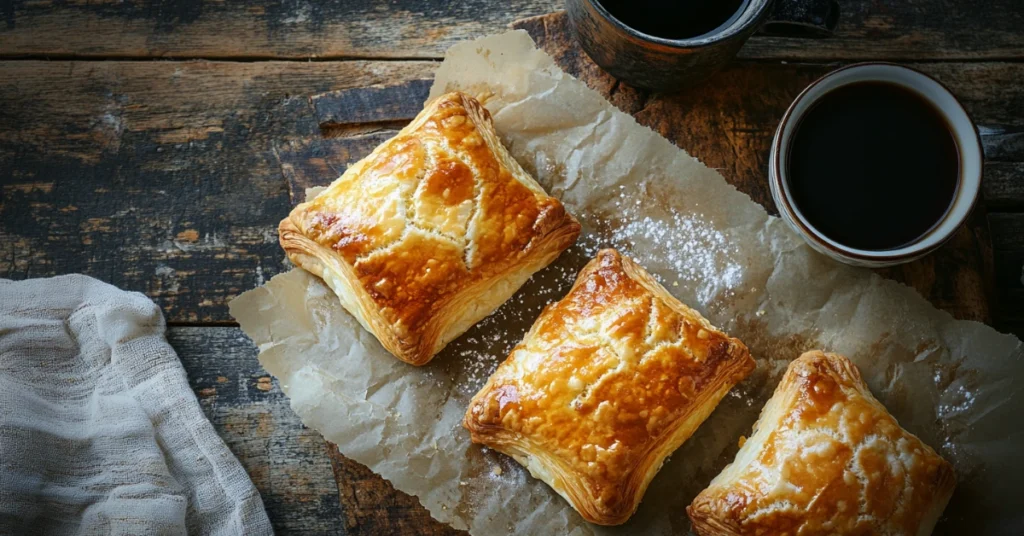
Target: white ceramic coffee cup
967	141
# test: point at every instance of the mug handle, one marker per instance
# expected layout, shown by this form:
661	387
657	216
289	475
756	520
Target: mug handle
802	18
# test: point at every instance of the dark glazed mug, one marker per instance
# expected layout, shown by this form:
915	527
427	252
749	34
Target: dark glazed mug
652	62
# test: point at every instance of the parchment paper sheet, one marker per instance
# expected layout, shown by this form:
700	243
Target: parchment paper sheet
956	384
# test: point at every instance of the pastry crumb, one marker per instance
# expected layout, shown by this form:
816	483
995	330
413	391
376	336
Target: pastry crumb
496	471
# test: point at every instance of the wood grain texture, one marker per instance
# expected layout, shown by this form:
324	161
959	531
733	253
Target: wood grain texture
728	124
264	29
1003	185
157	177
301	29
118	170
306	485
286	461
373	506
1003	142
371	105
170	177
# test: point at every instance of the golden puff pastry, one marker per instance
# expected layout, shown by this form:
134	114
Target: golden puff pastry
607	383
826	458
431	232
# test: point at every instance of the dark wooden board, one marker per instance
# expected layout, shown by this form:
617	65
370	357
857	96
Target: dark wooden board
157	177
162	177
287	462
370	106
170	177
1003	185
270	29
293	467
373	506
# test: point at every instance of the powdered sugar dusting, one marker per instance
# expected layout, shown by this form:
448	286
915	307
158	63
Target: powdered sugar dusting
683	250
691	248
687	254
472	358
962	401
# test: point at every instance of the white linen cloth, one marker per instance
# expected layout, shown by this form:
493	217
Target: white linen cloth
100	432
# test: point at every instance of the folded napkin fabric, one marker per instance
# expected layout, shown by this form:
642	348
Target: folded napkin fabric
100	432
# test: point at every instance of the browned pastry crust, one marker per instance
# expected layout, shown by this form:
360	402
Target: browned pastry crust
607	383
431	232
826	458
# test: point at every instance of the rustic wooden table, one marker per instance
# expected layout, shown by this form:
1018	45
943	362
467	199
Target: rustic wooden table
155	145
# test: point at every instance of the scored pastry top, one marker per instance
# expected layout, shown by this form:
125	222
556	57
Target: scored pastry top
430	211
609	381
425	224
826	458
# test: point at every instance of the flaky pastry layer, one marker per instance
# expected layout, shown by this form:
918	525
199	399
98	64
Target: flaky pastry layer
826	458
431	232
607	383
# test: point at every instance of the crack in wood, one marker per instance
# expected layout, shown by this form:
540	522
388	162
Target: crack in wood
355	130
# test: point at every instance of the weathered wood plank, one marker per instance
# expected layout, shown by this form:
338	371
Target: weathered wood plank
154	176
1003	185
373	506
908	31
316	161
286	461
161	177
1003	142
1007	231
375	104
868	29
264	29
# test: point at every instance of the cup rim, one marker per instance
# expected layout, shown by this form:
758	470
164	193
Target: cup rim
919	246
690	42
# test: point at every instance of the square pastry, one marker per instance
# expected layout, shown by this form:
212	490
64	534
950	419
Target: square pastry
826	458
607	383
431	232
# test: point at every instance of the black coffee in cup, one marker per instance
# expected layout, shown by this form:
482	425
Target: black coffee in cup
679	19
873	165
